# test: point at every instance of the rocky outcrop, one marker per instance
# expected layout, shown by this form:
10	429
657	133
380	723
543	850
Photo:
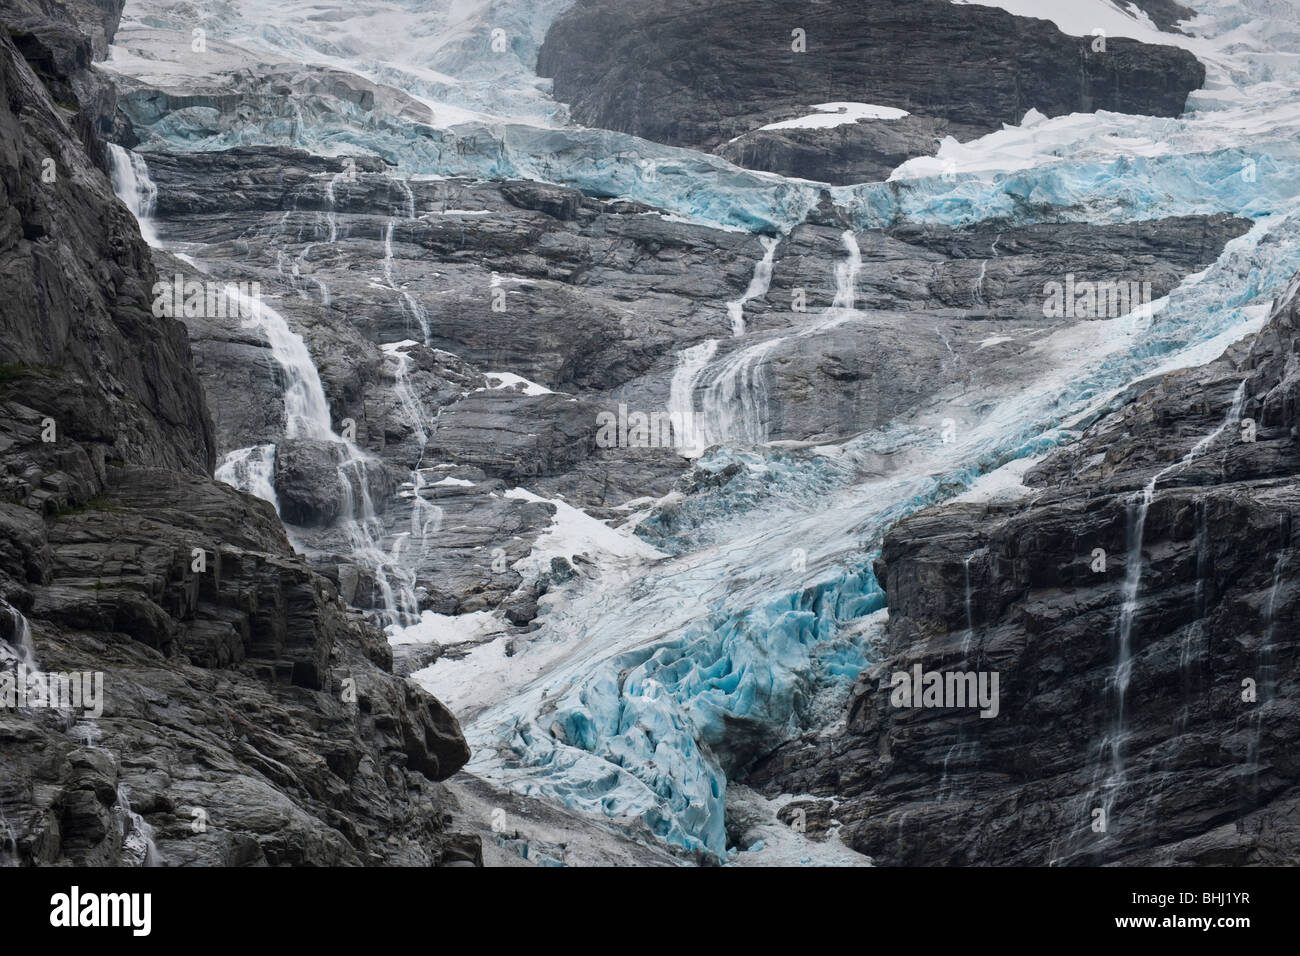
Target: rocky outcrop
594	301
682	73
866	150
60	41
248	717
1166	14
1147	655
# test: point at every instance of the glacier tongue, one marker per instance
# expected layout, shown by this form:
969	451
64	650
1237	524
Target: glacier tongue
659	678
649	684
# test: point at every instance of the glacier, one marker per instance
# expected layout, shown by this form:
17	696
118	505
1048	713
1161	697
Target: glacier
756	607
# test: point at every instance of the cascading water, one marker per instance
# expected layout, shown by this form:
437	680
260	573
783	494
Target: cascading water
251	470
307	416
138	846
405	188
691	363
846	273
331	198
735	405
1265	669
1193	646
410	304
1267	665
426	517
306	412
17	648
758	285
133	185
1138	507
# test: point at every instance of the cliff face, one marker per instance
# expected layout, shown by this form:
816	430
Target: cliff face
247	715
356	264
709	75
1147	657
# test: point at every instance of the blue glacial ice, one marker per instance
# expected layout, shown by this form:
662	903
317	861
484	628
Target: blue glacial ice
644	690
643	721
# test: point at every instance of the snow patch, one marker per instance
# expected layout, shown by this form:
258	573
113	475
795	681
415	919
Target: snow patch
839	114
447	628
509	379
575	532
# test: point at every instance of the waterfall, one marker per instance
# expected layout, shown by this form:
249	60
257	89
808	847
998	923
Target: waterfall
979	282
984	268
1266	666
330	195
419	313
1138	507
132	184
758	285
138	845
251	470
846	273
410	197
307	416
365	531
388	254
18	647
1191	650
1265	678
691	363
426	517
735	402
959	750
735	405
306	411
409	303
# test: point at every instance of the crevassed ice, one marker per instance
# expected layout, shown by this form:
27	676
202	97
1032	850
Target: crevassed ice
642	691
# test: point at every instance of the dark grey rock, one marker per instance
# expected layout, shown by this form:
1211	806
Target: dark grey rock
685	74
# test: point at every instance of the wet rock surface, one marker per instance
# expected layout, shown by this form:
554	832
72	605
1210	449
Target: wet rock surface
467	336
685	74
248	716
1205	772
593	304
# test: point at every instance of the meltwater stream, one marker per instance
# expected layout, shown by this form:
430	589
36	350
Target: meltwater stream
645	688
642	691
734	390
306	414
1138	508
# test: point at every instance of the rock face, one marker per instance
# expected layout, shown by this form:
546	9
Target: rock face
687	74
248	717
1147	655
596	303
419	411
854	152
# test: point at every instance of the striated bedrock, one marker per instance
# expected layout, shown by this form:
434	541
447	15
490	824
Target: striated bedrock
248	717
1034	587
697	74
595	300
61	39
